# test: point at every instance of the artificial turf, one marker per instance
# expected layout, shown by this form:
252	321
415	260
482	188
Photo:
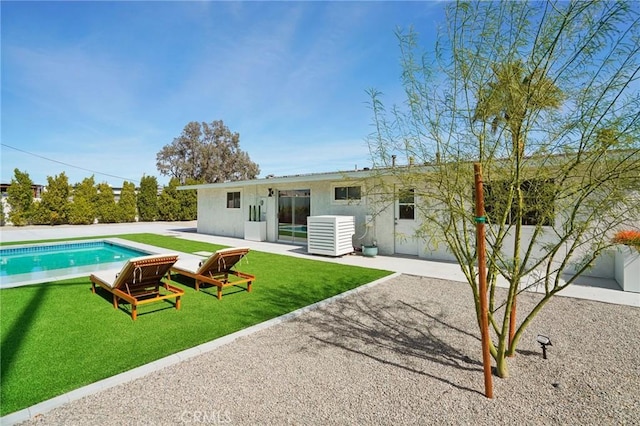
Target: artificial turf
58	336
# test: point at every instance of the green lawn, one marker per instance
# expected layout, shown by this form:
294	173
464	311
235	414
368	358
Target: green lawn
58	336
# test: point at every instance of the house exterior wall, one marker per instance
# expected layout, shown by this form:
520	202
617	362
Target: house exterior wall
602	268
215	218
213	215
383	230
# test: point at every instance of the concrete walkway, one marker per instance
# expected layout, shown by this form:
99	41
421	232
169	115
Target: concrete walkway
186	230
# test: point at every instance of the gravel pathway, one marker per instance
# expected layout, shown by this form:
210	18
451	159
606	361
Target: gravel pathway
403	352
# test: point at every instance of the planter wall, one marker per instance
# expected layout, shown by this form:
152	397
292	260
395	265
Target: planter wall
627	269
255	231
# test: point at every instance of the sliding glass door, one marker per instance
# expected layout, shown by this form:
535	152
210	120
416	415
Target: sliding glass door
294	206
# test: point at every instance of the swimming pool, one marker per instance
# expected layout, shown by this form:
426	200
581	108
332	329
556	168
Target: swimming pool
27	264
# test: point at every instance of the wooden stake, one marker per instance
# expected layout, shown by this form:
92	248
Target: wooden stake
482	276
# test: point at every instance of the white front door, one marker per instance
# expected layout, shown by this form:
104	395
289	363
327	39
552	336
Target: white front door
405	223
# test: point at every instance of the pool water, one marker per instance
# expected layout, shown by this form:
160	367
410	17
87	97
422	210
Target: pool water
45	261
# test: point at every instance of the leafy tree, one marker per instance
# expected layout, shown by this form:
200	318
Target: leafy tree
53	208
20	198
127	203
83	208
206	153
148	199
188	202
169	202
544	96
106	208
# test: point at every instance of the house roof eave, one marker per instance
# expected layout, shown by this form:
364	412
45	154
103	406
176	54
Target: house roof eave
315	177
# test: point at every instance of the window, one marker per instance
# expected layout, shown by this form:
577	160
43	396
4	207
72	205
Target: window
233	200
538	196
407	204
347	193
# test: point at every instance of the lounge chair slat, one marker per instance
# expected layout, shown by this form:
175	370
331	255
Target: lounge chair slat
216	270
139	281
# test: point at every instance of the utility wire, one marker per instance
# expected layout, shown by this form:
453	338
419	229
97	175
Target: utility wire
69	165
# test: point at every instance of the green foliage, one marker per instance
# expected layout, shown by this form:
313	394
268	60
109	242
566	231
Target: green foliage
178	205
53	208
127	203
148	199
46	337
169	202
106	208
83	210
87	202
20	198
188	202
513	94
544	96
206	153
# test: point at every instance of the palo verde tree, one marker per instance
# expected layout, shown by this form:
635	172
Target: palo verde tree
544	95
206	153
20	198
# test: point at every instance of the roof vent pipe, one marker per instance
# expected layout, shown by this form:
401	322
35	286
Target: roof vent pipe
393	160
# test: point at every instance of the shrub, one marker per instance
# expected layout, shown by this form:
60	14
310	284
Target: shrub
628	237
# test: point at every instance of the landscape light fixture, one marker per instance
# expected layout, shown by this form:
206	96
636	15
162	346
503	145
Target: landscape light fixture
544	342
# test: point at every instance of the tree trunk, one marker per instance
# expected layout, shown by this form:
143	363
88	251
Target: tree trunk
502	369
513	290
512	328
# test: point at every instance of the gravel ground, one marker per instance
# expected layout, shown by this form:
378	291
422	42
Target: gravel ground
403	352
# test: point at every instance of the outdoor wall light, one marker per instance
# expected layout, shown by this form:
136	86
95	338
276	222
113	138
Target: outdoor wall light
270	192
544	342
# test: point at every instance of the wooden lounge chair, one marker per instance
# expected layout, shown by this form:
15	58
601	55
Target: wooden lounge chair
139	281
216	269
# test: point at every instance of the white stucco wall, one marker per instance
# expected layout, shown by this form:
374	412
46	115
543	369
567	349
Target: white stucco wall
216	219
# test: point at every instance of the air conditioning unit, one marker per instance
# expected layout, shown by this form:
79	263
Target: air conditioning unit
330	235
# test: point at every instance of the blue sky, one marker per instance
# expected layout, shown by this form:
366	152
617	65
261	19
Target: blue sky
105	85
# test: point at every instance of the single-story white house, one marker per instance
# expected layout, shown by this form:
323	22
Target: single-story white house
276	209
282	205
